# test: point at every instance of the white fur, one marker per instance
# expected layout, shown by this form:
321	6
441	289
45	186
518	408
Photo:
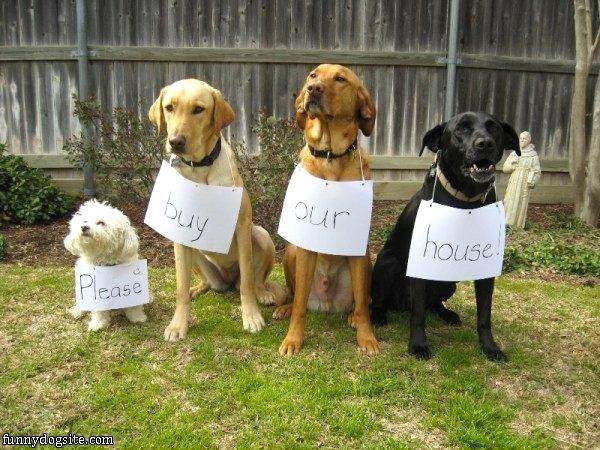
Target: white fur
110	240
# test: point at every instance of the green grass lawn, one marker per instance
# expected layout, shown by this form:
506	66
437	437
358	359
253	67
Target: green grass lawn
222	387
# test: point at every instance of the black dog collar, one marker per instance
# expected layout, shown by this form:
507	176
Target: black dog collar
329	154
208	160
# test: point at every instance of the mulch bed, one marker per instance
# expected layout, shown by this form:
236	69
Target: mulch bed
37	245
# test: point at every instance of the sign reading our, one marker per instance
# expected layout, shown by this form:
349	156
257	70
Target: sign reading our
451	244
331	217
195	215
100	288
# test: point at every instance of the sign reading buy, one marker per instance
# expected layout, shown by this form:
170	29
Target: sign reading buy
195	215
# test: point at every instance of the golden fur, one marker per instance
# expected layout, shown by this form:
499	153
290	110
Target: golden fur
198	112
331	121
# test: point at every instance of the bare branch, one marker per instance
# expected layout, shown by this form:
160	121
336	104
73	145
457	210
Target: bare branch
593	48
588	24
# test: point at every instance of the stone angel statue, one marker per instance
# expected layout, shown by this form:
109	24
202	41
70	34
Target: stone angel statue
525	173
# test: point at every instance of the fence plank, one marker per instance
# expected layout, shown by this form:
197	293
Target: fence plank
393	190
287	56
377	163
403	190
47	161
424	162
38	53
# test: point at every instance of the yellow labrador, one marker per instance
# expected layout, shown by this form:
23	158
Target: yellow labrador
193	114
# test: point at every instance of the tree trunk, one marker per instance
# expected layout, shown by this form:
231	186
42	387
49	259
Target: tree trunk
590	211
577	141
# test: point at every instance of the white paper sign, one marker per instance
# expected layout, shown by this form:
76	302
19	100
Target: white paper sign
100	288
451	244
330	217
195	215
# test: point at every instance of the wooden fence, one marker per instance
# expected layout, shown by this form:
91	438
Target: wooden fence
515	61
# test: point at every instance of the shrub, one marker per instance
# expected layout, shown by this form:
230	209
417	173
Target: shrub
266	174
549	253
3	246
124	151
27	195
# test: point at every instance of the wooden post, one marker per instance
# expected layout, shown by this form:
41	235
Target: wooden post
89	190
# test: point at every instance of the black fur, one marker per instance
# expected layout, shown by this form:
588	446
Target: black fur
465	139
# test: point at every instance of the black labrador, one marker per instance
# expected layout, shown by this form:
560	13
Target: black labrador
468	147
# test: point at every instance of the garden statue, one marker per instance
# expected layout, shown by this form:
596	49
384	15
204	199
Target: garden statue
525	173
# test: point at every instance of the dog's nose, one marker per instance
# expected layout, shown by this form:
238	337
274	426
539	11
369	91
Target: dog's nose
85	228
315	89
484	144
177	143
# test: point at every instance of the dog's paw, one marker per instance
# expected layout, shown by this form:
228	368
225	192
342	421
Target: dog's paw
421	351
368	344
291	345
352	320
76	313
450	317
176	331
283	311
266	297
252	319
199	289
136	315
494	353
96	324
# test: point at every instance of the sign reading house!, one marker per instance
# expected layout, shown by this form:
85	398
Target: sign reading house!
452	244
331	217
100	288
195	215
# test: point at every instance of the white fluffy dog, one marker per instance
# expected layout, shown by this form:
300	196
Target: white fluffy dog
101	235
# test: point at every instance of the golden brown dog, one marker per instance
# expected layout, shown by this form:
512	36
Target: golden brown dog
332	106
193	114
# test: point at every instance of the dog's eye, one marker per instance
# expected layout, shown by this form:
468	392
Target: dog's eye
197	110
462	128
169	108
340	79
313	75
100	222
491	126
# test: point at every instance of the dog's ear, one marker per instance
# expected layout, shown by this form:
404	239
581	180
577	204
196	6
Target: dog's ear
223	113
70	244
130	244
156	115
511	139
366	111
300	111
432	138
